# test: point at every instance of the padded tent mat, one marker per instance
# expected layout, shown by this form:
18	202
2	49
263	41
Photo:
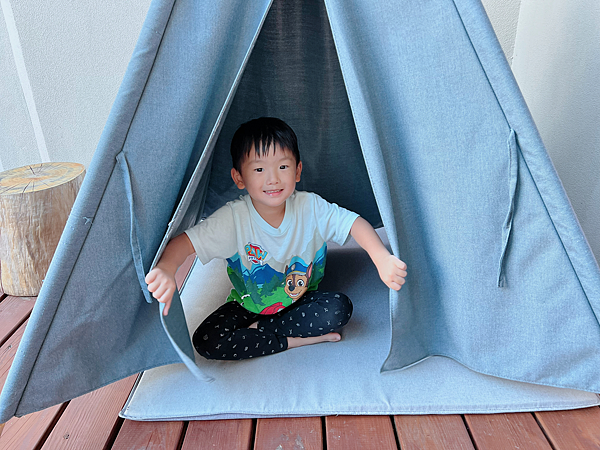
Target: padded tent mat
321	379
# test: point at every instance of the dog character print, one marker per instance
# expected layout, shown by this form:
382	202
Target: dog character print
296	280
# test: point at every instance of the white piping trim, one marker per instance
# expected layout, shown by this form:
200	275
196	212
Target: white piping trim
15	44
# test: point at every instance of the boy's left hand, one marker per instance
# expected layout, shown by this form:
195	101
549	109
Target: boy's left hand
392	271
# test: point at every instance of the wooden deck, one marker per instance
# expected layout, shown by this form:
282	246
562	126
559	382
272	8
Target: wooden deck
92	422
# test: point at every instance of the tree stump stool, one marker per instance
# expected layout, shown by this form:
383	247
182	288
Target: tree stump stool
35	202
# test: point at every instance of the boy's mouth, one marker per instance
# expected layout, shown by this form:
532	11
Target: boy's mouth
275	191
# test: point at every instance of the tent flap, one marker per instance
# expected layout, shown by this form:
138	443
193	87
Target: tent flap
433	100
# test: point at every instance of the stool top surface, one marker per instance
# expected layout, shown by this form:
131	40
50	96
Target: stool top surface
37	177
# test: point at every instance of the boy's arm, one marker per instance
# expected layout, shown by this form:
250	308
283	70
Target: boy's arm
161	279
392	271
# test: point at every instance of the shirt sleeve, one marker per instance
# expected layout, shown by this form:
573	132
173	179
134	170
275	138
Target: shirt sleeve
333	221
214	237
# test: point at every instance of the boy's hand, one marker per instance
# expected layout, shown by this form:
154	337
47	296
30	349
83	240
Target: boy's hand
392	271
162	285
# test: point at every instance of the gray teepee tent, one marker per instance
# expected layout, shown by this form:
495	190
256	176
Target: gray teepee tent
406	112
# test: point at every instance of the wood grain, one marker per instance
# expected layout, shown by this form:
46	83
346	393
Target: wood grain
572	430
506	431
234	434
432	433
28	432
360	433
13	312
89	420
148	436
35	202
289	433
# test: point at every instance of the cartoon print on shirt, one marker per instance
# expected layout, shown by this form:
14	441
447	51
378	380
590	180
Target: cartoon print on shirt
255	253
296	280
262	289
273	309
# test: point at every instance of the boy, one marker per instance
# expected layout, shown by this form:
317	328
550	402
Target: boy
274	240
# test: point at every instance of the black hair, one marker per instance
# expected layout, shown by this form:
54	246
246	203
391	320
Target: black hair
262	134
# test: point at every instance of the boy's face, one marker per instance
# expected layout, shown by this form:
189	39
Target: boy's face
269	179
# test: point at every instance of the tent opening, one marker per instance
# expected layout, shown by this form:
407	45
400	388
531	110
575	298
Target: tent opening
293	73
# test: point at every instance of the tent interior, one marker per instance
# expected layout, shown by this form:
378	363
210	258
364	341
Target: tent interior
292	73
405	112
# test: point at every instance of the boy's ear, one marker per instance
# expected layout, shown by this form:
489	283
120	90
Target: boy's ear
237	179
298	171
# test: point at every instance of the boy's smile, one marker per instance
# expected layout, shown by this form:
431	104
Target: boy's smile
269	179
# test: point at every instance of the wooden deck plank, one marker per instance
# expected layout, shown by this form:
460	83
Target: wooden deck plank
289	433
572	430
432	433
506	431
89	421
235	434
148	436
13	312
360	433
28	432
8	350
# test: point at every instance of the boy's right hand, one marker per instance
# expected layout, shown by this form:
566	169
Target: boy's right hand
162	285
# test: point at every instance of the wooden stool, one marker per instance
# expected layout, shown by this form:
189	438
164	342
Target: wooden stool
35	202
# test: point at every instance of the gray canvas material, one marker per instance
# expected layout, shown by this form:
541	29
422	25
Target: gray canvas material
406	112
322	379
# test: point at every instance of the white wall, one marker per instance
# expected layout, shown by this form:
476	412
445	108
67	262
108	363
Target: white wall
557	64
504	15
75	55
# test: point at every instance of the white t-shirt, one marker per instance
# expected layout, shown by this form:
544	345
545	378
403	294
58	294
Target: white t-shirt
269	267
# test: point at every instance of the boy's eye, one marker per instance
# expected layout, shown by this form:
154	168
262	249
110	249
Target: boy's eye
283	166
258	169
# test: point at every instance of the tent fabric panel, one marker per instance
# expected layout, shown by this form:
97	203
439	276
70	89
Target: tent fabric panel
442	139
415	132
517	114
529	323
84	210
103	328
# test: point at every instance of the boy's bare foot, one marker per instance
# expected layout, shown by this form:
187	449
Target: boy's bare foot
294	342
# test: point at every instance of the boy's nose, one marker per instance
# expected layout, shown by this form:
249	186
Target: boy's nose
272	178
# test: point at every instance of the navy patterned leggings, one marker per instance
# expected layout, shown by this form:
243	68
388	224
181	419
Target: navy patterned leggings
225	333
